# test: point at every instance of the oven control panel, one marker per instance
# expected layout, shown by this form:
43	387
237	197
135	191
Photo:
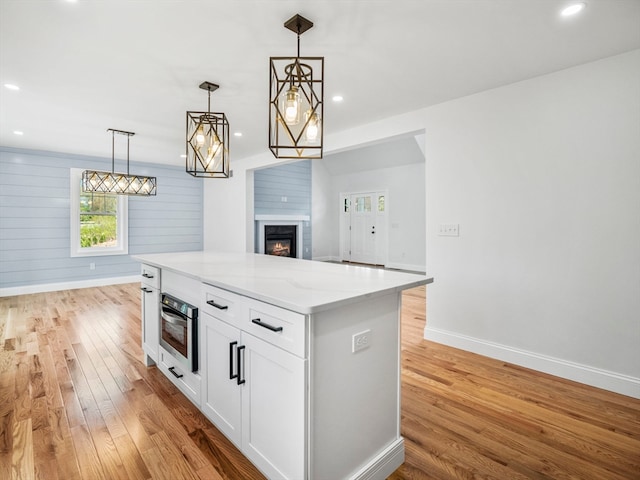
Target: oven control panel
178	305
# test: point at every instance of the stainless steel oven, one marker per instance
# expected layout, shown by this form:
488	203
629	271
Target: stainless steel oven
179	330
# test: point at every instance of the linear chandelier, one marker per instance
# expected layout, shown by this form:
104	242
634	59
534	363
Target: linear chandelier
208	141
296	102
118	183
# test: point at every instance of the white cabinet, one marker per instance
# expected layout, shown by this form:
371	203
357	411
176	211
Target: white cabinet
150	291
188	382
253	390
273	409
222	398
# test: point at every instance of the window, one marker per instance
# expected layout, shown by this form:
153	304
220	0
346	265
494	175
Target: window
347	202
98	221
363	204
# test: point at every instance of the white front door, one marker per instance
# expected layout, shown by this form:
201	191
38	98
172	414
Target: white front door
363	228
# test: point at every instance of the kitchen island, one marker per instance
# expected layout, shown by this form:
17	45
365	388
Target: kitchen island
298	361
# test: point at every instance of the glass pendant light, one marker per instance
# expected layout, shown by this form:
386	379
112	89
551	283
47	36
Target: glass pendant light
118	183
207	141
290	105
296	101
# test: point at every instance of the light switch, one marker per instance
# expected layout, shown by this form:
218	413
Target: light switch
449	230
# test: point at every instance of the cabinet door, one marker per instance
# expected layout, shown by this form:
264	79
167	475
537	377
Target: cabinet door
273	409
221	401
150	323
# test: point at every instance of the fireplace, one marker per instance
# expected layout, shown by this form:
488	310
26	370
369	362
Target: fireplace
288	230
280	240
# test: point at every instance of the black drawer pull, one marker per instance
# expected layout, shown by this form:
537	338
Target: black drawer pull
257	321
177	375
219	307
146	275
146	291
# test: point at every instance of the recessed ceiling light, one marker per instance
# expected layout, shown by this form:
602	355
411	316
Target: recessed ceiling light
337	98
11	86
18	132
183	156
573	9
237	134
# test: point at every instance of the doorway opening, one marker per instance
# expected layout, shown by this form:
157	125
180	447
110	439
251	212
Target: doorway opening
363	227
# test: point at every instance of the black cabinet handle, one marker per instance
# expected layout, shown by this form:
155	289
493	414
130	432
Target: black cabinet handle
257	321
177	375
146	275
146	291
240	353
218	306
231	374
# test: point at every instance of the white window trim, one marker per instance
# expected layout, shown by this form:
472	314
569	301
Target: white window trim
121	248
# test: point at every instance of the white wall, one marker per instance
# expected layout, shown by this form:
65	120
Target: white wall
405	210
543	177
325	221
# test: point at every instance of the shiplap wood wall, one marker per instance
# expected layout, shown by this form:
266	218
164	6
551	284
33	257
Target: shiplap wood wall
291	181
35	218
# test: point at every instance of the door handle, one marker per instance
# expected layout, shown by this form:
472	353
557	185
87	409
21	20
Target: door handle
240	353
174	319
231	374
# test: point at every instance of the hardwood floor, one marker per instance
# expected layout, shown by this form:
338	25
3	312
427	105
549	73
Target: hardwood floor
76	402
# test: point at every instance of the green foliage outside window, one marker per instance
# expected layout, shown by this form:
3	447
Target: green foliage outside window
98	220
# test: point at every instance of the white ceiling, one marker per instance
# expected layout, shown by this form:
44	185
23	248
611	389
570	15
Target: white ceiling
136	65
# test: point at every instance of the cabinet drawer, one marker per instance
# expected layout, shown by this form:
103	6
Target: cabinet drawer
221	304
280	327
150	276
189	383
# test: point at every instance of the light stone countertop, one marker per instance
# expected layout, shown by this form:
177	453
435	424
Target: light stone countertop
303	286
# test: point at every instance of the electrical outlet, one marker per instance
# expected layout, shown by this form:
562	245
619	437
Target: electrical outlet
360	341
92	266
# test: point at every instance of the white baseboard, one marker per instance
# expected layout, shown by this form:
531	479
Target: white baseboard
54	287
384	464
407	266
614	382
327	258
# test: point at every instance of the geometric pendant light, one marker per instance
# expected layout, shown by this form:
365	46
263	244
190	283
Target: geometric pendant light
208	141
118	183
296	101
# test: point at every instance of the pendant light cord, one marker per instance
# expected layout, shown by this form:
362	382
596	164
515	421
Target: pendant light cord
128	137
113	147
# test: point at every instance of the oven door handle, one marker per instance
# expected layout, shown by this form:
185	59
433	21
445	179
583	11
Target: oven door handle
173	318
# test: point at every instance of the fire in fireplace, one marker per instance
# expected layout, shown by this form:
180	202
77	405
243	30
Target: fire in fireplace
280	240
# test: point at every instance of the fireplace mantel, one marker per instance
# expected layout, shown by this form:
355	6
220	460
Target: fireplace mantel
284	218
297	220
